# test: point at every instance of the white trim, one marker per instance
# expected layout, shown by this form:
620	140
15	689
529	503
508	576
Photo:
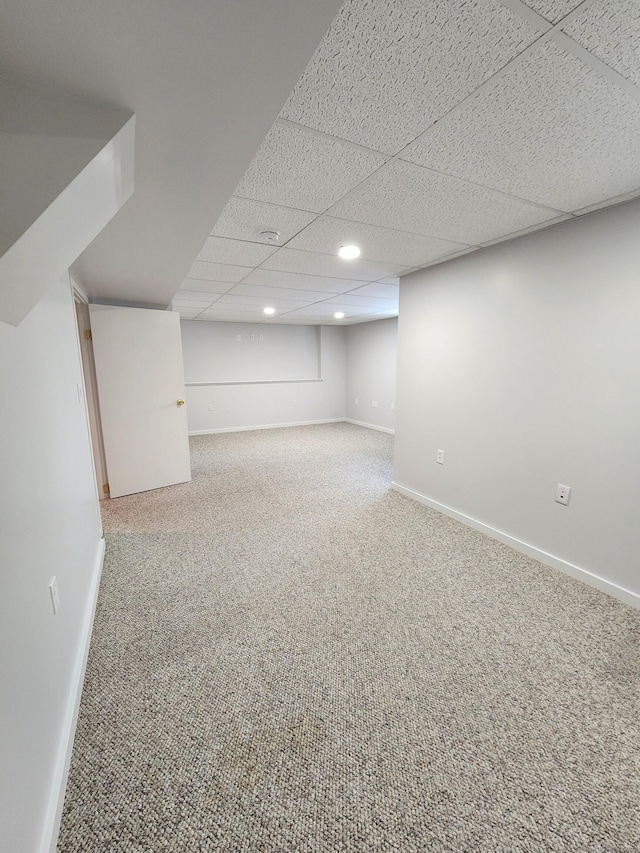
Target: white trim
584	575
252	382
53	813
370	426
265	426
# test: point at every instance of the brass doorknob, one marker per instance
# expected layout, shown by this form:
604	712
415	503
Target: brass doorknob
179	402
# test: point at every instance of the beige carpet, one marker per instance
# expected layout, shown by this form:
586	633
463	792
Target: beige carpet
288	656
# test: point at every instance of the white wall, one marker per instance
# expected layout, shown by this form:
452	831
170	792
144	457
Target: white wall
522	362
242	404
371	373
49	525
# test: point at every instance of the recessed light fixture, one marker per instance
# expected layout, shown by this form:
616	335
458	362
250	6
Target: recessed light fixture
269	310
339	315
349	252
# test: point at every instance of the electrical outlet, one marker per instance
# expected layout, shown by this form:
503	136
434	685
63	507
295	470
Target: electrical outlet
53	592
238	337
253	337
356	401
440	457
210	407
293	403
563	494
393	407
261	337
374	404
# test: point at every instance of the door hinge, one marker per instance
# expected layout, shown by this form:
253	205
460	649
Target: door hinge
87	335
105	488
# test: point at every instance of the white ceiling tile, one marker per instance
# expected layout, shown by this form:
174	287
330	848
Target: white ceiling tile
194	296
221	250
297	319
326	309
200	285
391	279
551	130
281	292
185	314
609	29
274	278
377	244
377	288
244	219
553	10
312	263
260	301
298	169
371	303
386	71
217	272
410	198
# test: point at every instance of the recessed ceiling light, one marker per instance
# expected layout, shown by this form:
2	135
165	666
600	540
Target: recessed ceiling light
339	315
349	252
269	310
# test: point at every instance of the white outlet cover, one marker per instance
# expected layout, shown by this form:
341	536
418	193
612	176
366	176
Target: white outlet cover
563	494
55	597
440	457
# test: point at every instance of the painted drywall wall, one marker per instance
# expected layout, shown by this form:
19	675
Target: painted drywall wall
371	373
247	405
241	352
49	525
522	363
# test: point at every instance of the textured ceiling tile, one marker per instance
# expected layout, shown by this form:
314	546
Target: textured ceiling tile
259	301
385	71
273	278
281	292
312	263
221	250
551	130
244	219
376	288
194	296
377	244
410	198
298	169
391	279
371	303
199	284
553	10
324	309
610	30
217	272
225	311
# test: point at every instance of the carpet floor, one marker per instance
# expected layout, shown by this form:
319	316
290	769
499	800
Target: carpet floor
289	656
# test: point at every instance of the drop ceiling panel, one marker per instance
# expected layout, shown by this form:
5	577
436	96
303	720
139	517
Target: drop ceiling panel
217	272
371	303
609	30
200	285
376	288
222	250
386	71
299	169
194	296
297	281
312	263
377	244
553	10
282	293
551	130
259	302
410	198
244	219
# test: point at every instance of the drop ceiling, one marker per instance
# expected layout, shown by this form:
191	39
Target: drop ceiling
422	130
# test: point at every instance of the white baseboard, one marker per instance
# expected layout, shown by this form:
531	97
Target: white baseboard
619	592
265	426
65	748
370	426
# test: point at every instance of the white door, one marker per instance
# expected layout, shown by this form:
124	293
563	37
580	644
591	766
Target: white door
138	357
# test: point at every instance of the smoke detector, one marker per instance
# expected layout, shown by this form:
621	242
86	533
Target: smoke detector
270	236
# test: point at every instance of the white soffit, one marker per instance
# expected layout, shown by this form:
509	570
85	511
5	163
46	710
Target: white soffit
552	130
